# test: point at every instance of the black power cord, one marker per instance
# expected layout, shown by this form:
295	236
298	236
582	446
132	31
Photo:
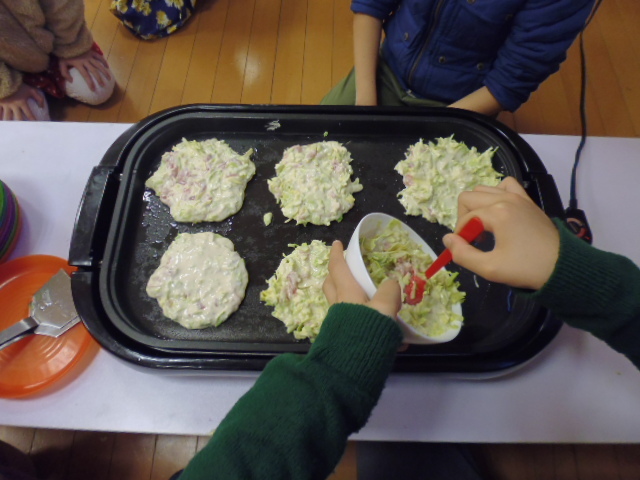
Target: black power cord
576	218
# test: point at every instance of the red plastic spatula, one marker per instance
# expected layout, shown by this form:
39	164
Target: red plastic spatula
415	288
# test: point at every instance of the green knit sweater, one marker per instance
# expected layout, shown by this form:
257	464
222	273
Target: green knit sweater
595	291
294	423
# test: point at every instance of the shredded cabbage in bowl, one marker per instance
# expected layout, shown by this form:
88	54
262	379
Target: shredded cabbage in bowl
393	254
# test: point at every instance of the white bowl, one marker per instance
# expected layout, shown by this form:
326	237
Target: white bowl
368	227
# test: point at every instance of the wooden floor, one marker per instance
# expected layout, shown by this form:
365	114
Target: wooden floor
292	52
69	455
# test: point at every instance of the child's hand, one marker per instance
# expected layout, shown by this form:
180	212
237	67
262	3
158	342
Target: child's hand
90	65
526	240
340	286
16	107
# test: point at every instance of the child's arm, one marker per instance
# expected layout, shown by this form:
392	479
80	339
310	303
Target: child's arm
541	33
481	101
587	288
367	31
595	291
295	421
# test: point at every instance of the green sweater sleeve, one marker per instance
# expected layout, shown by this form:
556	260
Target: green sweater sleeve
596	291
295	421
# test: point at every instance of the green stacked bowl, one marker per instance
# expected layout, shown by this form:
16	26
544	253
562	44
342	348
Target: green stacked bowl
10	221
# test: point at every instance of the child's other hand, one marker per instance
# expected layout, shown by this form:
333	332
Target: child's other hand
526	240
16	107
90	65
340	286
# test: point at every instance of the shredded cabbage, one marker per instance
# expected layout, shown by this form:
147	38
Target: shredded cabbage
202	181
313	183
435	174
295	289
391	253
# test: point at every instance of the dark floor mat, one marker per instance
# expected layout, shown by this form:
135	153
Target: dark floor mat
417	461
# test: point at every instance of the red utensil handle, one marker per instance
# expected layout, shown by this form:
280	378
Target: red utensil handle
469	232
472	229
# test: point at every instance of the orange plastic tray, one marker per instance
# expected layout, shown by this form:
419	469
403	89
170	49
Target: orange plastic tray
37	361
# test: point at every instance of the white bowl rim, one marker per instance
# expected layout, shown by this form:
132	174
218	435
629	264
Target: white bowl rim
353	256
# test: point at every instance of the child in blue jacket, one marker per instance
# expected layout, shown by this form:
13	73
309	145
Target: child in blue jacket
480	55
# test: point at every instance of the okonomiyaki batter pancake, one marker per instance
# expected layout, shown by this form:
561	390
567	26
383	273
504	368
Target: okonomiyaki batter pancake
201	280
313	183
434	175
295	289
202	181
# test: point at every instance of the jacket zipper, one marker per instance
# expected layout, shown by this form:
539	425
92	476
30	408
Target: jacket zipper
434	22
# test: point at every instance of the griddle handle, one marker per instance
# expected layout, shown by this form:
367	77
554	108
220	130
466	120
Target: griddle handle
94	217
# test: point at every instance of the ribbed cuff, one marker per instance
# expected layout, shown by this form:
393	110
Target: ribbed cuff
358	341
579	266
509	99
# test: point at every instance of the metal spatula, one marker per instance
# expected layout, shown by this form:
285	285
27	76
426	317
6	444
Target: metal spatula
51	312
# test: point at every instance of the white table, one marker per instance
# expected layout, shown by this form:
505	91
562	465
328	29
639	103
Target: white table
577	390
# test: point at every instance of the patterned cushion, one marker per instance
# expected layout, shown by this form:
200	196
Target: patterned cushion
149	19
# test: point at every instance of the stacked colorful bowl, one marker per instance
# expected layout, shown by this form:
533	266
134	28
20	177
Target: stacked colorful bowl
10	221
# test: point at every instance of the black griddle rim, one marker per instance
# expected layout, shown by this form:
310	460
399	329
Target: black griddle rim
85	287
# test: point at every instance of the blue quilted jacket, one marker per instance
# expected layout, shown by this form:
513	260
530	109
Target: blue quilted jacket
446	49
